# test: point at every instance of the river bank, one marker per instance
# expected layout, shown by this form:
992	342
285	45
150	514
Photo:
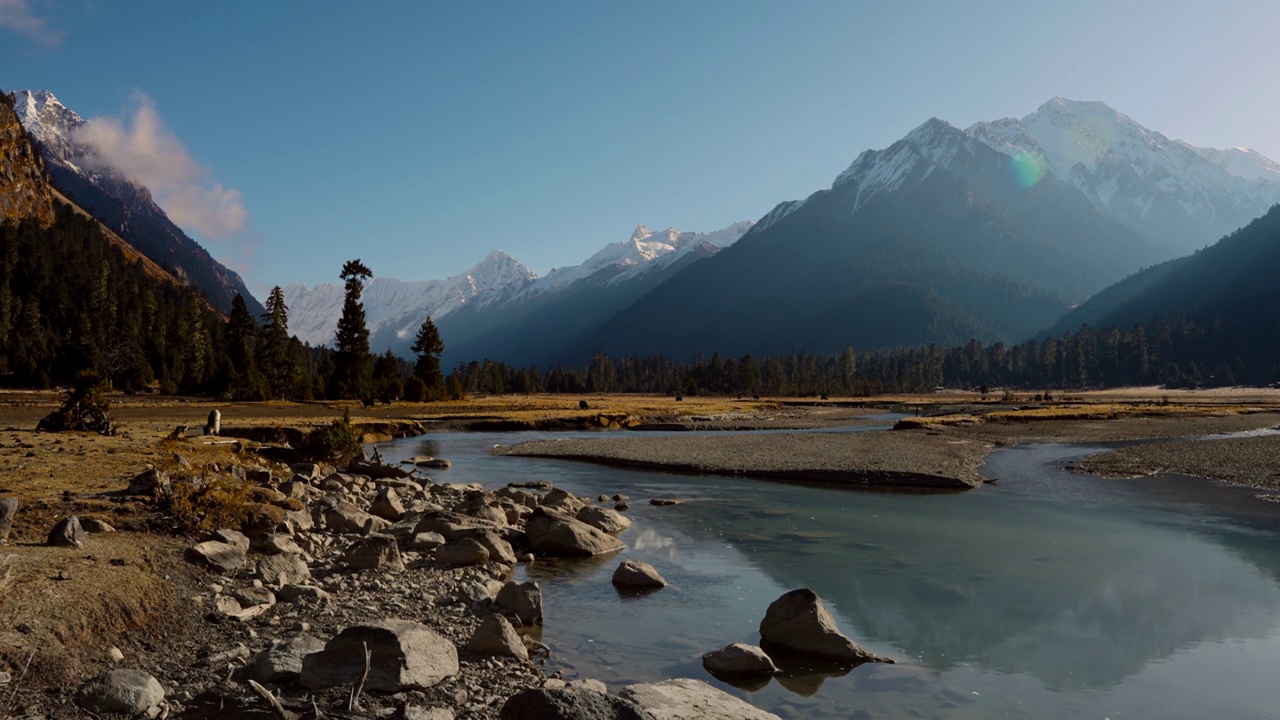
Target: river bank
1250	461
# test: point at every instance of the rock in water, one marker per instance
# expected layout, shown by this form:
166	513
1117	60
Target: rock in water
554	533
565	704
8	509
282	662
800	622
128	692
739	659
67	533
687	699
405	655
496	637
522	601
604	519
636	574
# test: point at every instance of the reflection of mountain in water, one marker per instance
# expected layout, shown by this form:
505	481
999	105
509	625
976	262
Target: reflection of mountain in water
1078	595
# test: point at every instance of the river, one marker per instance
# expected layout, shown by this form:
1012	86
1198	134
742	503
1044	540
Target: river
1047	595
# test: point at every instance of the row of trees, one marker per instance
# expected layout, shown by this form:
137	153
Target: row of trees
1174	352
72	301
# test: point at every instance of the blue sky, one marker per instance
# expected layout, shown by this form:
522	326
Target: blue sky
419	136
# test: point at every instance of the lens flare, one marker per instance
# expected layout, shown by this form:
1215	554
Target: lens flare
1028	169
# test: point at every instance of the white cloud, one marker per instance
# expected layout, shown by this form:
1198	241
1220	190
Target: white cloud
140	147
20	17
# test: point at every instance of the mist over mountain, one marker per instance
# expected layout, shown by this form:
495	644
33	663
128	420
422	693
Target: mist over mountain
123	205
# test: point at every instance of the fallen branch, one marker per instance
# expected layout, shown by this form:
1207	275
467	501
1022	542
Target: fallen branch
354	701
272	703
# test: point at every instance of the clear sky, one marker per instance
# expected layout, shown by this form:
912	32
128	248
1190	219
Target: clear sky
420	135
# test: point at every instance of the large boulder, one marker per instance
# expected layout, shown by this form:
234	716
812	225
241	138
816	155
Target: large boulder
281	570
8	509
566	704
387	505
451	525
462	553
686	699
374	552
217	556
604	519
500	550
523	601
347	518
405	655
639	575
739	659
282	662
496	637
68	533
128	692
800	622
554	533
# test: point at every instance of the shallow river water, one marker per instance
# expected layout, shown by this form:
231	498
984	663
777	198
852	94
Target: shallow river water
1047	595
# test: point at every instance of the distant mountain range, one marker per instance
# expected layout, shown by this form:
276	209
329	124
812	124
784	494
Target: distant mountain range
990	233
124	206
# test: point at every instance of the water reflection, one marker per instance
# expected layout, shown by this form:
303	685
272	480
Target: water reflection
1048	595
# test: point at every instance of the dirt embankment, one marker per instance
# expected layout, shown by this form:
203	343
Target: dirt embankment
904	461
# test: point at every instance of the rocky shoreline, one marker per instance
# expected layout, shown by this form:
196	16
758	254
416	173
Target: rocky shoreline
880	460
348	595
1251	461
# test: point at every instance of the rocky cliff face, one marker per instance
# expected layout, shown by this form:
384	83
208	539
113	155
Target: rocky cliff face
24	190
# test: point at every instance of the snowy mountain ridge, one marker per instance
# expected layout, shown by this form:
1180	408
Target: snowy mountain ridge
399	306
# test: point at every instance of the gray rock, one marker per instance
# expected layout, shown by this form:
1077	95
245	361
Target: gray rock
128	692
217	556
94	526
426	541
665	502
347	518
523	601
67	533
451	525
799	621
499	550
275	544
387	505
405	655
296	489
604	519
232	537
280	570
148	482
739	659
496	637
374	552
281	663
636	574
686	699
251	596
566	704
462	553
551	532
303	593
8	510
307	472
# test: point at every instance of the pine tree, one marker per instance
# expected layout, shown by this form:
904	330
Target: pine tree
275	352
387	379
429	346
353	369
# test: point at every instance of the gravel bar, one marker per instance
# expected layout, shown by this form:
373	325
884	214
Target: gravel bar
866	460
1253	461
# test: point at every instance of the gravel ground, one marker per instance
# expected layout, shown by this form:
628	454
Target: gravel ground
1253	461
871	459
1084	431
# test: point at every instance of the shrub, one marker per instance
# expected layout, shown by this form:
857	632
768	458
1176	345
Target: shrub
85	409
203	505
338	442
